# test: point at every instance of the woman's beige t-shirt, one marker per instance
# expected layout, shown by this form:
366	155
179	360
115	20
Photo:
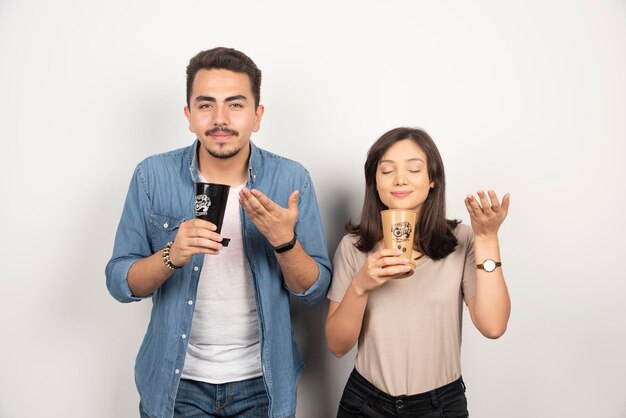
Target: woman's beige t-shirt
410	341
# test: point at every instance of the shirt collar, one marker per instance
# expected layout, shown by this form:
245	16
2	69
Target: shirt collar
192	157
254	162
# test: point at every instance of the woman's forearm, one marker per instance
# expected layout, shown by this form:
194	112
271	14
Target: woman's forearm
344	321
491	305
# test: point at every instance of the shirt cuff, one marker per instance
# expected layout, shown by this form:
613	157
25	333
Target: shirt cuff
317	291
118	281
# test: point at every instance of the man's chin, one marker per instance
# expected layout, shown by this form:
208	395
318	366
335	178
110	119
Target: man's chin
222	152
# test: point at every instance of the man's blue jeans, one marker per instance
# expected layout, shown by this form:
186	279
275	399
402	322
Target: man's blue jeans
247	398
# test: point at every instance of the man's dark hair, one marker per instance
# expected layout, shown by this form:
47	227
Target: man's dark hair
434	236
221	58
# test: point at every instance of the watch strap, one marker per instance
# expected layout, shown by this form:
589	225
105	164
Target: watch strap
287	246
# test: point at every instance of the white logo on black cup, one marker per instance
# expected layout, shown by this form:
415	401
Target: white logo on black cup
203	203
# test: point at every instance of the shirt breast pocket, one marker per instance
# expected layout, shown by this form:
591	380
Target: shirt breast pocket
163	229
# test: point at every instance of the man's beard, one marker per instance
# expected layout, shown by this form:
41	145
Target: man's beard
222	151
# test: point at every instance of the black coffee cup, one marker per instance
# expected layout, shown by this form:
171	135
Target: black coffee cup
211	199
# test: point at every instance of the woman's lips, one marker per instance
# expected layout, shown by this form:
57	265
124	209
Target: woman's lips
400	194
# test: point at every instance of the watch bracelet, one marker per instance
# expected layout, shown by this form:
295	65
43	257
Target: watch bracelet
166	257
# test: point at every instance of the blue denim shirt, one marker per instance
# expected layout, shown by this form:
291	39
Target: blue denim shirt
161	197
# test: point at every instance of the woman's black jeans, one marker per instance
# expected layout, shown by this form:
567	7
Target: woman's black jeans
362	399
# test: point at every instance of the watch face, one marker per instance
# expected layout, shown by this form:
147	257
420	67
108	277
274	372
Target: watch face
489	265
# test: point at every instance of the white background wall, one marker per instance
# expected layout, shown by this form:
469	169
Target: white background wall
527	97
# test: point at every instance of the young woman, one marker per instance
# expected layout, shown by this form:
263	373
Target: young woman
409	329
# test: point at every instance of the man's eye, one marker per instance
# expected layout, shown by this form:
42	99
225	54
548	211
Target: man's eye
237	105
204	106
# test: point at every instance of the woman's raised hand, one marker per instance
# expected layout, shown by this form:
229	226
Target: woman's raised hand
487	213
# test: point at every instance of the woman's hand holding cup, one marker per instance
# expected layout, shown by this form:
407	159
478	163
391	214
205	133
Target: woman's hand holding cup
378	269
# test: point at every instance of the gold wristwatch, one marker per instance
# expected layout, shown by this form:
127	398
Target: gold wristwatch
489	265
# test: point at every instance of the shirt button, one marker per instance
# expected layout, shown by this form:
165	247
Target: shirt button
176	371
183	336
165	225
190	302
195	268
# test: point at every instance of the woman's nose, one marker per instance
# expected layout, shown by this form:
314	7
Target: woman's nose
400	181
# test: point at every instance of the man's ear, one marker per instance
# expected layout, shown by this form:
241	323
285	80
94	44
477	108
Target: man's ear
188	116
258	115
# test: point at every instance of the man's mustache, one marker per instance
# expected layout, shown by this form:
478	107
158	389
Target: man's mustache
214	131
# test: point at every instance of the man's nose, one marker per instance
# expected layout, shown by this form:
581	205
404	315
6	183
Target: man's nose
220	116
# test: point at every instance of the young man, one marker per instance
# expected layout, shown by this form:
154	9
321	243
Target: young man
219	341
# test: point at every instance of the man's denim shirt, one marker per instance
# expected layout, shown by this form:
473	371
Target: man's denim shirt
161	197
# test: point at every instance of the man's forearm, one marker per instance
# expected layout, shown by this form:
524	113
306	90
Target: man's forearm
299	269
148	274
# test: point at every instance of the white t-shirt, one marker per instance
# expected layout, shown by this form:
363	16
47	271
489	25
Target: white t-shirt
224	341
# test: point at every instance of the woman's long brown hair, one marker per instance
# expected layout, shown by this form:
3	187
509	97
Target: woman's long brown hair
434	236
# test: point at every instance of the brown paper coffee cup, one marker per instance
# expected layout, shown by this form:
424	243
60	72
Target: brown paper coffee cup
398	232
